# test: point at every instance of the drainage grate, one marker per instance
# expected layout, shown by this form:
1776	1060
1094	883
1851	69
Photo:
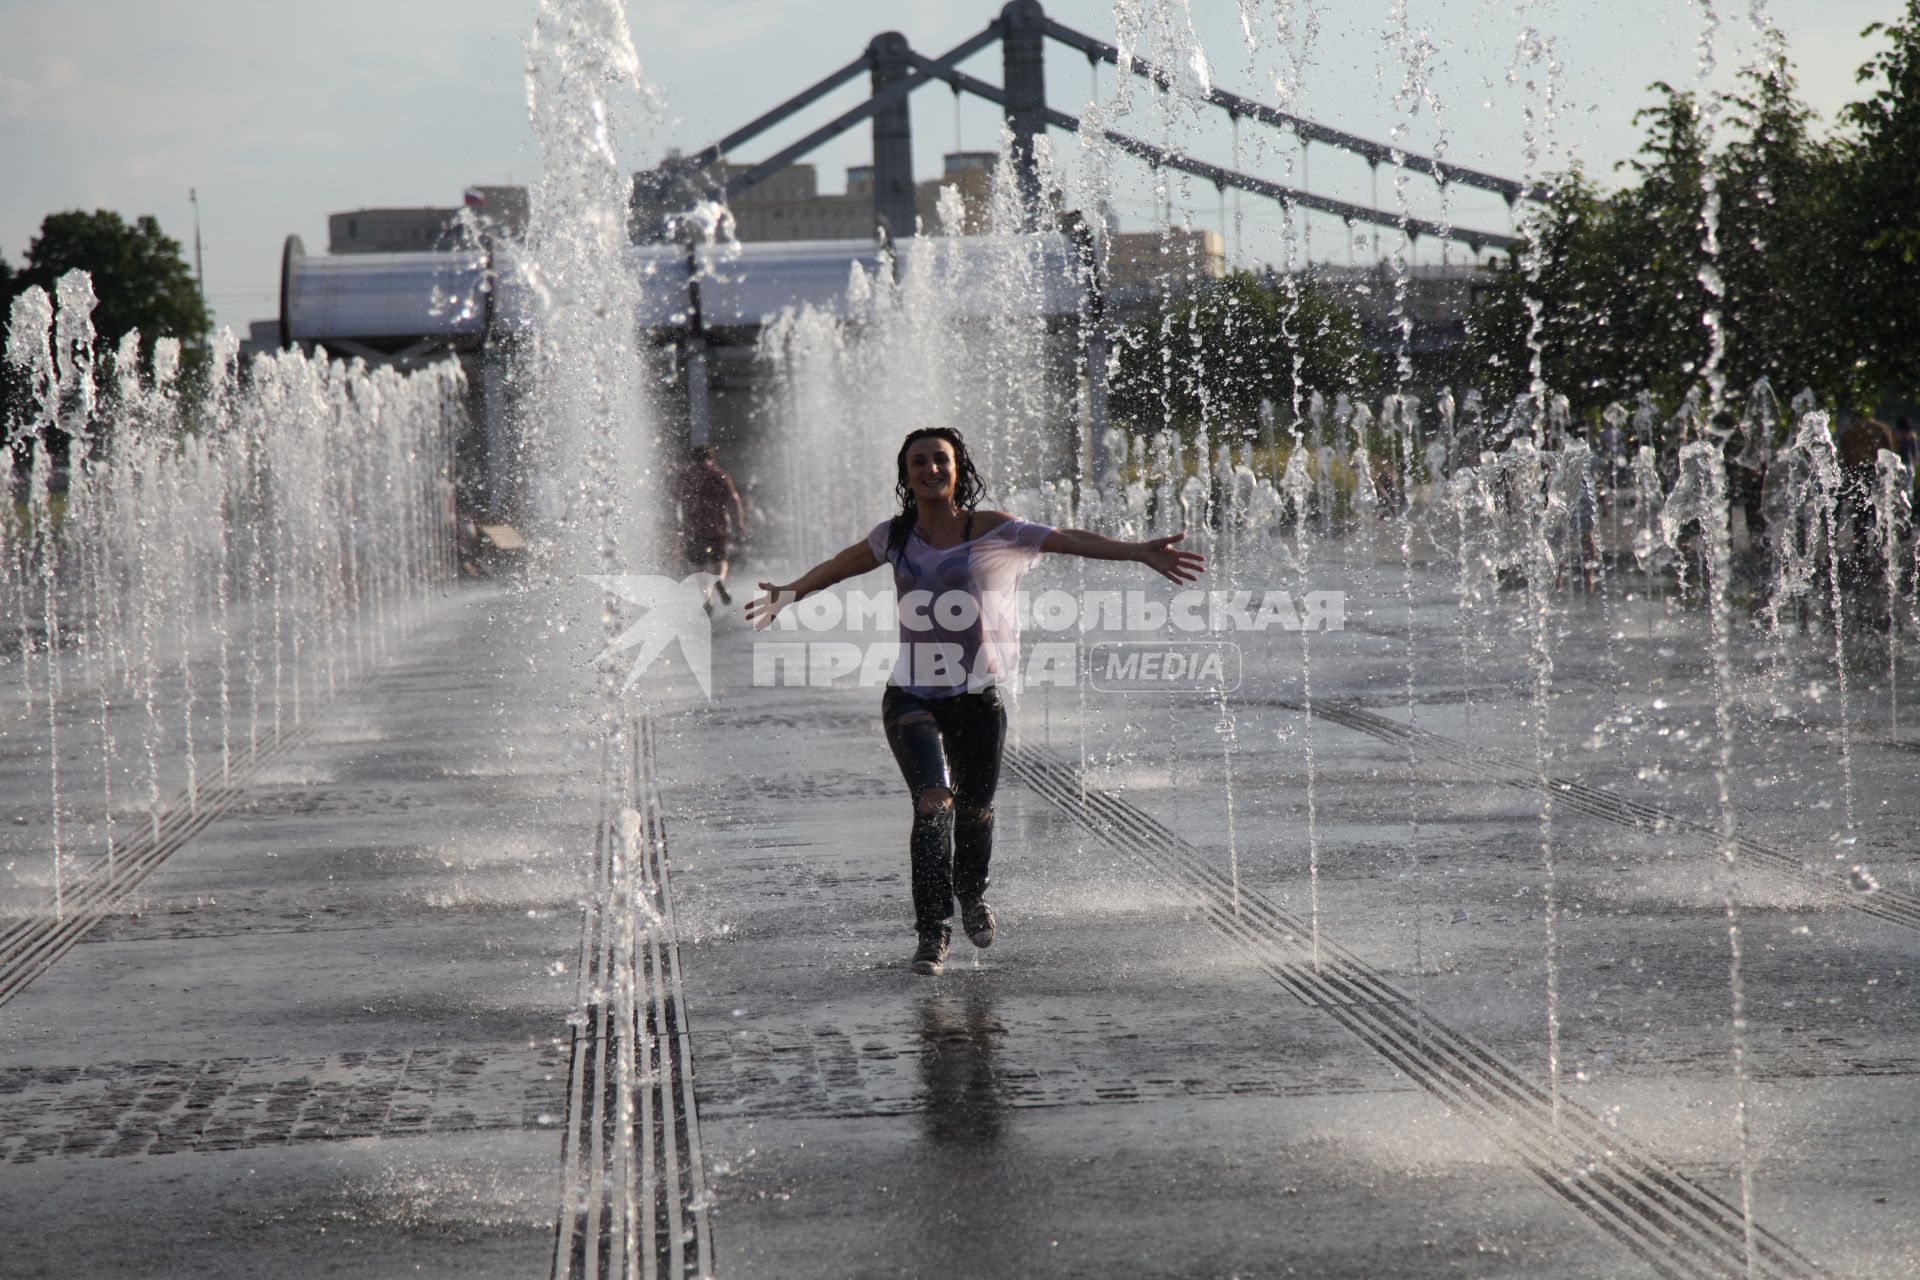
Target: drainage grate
31	945
634	1201
1677	1227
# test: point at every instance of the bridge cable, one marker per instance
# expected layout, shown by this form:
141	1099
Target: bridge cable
1162	157
1307	130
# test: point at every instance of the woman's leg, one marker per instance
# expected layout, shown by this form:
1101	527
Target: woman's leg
975	734
914	734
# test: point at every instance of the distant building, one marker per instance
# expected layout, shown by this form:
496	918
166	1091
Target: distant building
263	338
500	210
969	172
503	209
426	229
392	230
789	205
1142	262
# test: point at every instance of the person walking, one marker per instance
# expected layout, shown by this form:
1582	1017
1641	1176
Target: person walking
708	500
955	568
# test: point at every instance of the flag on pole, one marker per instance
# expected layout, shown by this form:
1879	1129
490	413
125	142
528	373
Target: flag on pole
475	200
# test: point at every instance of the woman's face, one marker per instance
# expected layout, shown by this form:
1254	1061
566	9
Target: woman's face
930	469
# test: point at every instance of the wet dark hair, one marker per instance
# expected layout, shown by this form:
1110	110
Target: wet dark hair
703	453
968	488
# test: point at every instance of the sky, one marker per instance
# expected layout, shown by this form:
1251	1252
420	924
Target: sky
278	114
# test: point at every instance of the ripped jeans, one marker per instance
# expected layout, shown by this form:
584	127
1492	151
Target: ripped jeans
948	750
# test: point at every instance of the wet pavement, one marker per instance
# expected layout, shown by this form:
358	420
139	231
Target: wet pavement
330	1032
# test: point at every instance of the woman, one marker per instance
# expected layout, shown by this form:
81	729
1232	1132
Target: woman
955	569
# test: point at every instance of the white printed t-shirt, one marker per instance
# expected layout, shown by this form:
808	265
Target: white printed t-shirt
959	618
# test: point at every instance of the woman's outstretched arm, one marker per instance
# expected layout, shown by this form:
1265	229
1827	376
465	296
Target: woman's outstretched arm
856	559
1158	554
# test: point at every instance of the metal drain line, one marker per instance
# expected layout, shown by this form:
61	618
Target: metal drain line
32	944
1677	1227
634	1199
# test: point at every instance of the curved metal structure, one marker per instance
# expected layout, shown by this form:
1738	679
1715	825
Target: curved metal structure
412	305
401	306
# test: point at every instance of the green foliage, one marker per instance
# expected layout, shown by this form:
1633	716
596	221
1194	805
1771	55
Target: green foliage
139	274
1880	222
1817	253
1657	229
1615	280
1785	318
1565	287
1213	353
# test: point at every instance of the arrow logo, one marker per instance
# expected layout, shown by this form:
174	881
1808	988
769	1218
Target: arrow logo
676	611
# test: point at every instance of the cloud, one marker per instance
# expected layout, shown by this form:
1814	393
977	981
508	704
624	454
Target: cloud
685	26
41	94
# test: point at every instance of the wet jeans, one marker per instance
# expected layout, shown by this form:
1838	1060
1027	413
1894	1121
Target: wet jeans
953	743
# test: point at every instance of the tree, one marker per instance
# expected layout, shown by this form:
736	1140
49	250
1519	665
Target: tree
1661	307
1881	220
140	278
139	275
1611	295
1215	351
1617	281
1786	311
1579	279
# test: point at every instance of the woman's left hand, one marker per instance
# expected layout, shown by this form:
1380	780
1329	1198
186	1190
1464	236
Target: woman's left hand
1160	555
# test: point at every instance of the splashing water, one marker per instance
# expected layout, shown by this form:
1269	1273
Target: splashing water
141	586
1813	484
1892	525
1699	499
1297	486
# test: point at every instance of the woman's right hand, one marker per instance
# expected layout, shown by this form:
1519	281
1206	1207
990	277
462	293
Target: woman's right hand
857	558
761	609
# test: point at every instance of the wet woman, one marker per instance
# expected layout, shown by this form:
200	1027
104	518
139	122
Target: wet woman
955	570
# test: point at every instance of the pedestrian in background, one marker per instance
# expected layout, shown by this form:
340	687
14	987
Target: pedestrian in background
710	511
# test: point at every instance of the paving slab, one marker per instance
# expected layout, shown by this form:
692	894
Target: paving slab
341	1029
1119	1086
322	1037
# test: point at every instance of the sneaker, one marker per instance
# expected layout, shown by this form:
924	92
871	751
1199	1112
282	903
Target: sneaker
931	957
976	918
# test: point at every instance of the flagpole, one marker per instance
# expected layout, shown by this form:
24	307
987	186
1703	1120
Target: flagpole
199	263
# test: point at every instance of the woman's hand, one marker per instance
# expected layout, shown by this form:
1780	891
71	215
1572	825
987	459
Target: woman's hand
857	558
1160	555
761	610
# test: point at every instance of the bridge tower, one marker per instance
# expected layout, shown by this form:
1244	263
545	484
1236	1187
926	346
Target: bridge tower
893	212
1023	25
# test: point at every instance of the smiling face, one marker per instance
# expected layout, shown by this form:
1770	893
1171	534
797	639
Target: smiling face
931	471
